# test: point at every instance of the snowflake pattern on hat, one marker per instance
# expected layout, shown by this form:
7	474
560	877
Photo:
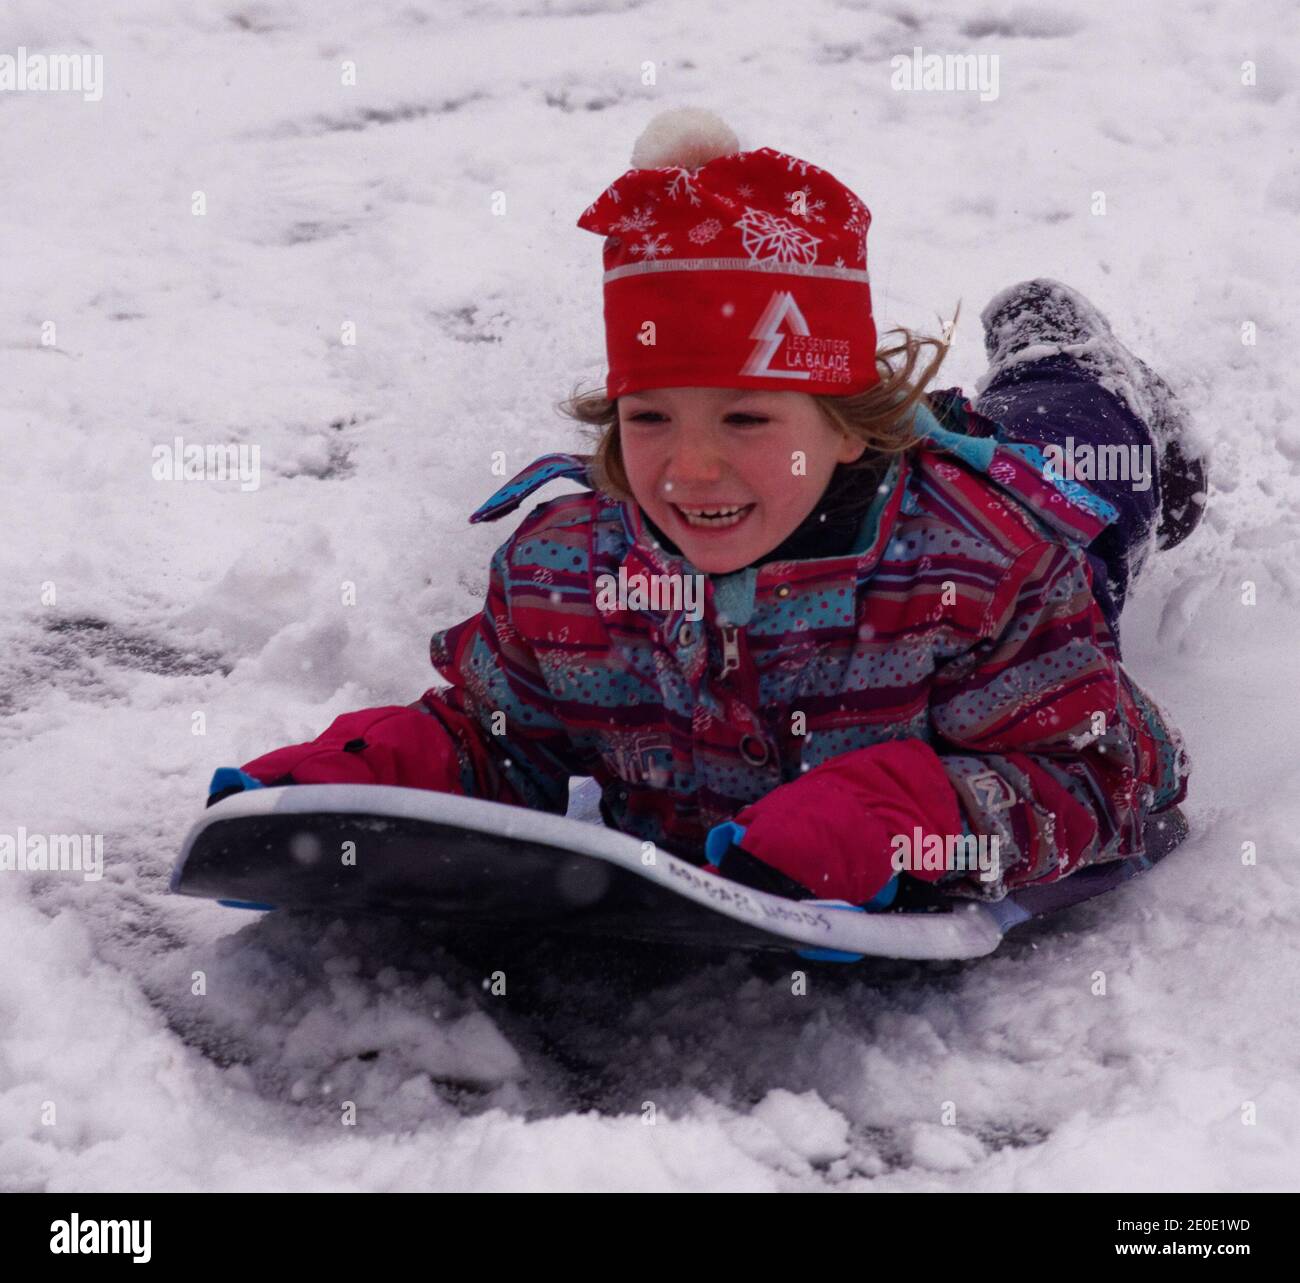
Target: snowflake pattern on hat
639	220
750	208
857	223
767	235
681	184
703	233
649	247
811	209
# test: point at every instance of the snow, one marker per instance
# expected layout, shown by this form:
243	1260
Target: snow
152	1043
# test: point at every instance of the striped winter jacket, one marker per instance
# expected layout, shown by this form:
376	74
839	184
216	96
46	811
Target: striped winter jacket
963	621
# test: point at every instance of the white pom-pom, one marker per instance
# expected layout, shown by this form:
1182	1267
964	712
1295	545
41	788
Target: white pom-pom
685	136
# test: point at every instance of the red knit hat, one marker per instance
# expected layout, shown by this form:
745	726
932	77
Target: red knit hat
734	269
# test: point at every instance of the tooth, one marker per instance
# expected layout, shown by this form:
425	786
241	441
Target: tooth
720	517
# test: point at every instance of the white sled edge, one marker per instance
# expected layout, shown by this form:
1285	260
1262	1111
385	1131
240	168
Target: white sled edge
969	931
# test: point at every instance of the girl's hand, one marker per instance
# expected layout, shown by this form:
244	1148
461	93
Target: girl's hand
395	744
834	831
227	780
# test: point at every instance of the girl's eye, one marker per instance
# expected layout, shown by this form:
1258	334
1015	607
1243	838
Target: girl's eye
745	420
644	416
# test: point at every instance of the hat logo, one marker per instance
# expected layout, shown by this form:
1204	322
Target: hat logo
768	338
825	360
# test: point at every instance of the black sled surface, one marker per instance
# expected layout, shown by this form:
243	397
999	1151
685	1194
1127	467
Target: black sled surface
464	862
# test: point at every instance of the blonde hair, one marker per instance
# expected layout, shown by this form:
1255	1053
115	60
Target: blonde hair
882	416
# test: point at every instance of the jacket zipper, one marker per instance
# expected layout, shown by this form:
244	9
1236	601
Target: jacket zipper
745	680
730	649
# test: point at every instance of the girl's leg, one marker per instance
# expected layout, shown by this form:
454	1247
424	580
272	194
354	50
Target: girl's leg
1059	378
1089	432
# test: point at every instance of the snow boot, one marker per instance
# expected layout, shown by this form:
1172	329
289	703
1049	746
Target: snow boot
1042	318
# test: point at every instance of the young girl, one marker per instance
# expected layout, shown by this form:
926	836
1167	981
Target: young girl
908	632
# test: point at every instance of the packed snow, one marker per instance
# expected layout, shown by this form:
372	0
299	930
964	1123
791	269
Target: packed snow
1144	1041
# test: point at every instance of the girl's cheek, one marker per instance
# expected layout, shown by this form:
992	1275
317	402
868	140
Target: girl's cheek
640	477
772	475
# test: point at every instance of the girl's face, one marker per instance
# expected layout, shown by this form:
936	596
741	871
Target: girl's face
763	458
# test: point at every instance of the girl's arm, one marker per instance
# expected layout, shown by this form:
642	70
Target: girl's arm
1046	740
513	748
1038	738
421	745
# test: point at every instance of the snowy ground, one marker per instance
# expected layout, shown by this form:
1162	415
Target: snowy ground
370	204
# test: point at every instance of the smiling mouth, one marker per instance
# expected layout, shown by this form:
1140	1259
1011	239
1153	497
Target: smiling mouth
716	518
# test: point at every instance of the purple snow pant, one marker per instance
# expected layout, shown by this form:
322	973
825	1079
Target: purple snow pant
1046	402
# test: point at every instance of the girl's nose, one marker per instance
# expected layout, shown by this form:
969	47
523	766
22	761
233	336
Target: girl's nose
693	462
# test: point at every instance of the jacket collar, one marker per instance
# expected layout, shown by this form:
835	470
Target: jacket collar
550	467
